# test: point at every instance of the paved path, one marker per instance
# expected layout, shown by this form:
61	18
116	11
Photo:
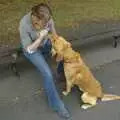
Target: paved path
24	100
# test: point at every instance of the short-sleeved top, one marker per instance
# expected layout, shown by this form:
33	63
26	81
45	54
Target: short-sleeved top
28	33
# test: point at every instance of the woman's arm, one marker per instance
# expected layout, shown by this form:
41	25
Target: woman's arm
33	46
26	40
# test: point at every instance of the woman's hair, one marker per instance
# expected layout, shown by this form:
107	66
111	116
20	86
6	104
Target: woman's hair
42	11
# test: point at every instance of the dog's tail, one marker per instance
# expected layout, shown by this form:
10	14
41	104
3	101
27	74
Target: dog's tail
109	97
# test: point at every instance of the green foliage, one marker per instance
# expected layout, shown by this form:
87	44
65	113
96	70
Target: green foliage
67	13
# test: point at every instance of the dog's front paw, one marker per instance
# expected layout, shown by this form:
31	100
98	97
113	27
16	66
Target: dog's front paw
65	93
86	106
53	52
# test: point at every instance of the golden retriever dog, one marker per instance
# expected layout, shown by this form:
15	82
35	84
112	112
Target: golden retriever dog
77	73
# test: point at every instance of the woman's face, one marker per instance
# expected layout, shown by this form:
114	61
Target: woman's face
37	23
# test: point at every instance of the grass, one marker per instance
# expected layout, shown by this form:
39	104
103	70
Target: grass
67	13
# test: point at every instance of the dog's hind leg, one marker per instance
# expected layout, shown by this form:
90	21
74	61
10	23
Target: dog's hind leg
89	101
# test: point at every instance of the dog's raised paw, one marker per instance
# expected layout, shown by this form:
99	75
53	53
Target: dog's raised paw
65	93
85	106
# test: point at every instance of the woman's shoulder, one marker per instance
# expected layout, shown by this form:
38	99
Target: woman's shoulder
25	19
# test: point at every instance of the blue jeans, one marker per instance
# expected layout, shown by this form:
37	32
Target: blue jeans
37	59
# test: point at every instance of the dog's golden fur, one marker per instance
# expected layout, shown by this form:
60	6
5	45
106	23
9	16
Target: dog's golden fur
77	73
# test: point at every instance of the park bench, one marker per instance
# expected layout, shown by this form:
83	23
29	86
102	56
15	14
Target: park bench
9	55
88	33
114	33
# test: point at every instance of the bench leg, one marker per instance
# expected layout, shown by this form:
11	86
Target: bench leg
13	67
115	41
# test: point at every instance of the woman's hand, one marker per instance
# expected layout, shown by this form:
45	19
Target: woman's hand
43	33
